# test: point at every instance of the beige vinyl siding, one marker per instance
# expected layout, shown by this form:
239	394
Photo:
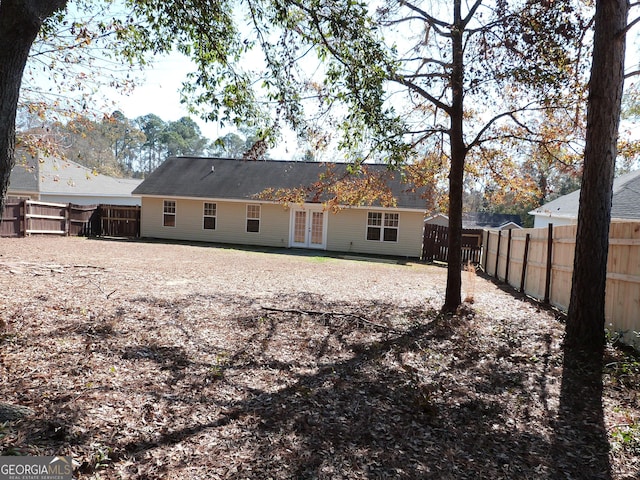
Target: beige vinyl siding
230	222
347	232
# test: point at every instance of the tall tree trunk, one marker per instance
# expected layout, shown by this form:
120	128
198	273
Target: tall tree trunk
585	321
456	173
20	22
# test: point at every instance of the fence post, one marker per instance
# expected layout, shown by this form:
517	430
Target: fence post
527	239
104	223
27	218
486	250
138	221
506	269
547	286
23	219
498	253
67	220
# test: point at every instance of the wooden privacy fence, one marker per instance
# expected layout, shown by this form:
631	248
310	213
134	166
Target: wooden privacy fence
119	221
12	219
539	263
435	244
27	217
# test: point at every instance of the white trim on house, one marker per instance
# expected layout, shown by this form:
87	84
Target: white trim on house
165	212
214	216
258	218
383	227
509	226
310	241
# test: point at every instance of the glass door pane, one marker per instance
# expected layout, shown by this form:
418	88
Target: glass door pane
317	222
300	226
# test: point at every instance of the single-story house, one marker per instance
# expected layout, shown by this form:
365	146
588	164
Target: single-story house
222	200
471	220
564	210
49	179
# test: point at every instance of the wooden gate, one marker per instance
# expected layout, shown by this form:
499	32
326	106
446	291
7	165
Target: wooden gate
119	221
12	224
435	245
82	220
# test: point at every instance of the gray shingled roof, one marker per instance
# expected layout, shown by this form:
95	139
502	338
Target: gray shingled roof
222	178
24	176
626	196
49	175
626	200
488	220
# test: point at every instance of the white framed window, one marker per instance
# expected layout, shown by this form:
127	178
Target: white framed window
169	213
209	216
253	218
382	227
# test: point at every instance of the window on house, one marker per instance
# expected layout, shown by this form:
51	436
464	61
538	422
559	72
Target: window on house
253	218
374	225
382	227
390	227
169	213
209	216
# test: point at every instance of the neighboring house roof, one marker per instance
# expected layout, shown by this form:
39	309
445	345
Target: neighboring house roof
626	200
438	219
52	176
489	220
244	179
481	220
24	176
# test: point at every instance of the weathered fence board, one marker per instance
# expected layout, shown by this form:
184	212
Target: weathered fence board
82	220
540	263
12	224
28	217
435	244
119	221
46	218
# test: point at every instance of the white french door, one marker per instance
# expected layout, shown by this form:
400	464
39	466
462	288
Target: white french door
308	227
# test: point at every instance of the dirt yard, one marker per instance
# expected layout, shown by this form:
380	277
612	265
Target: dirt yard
171	361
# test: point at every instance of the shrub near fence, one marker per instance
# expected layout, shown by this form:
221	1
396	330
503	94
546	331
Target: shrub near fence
539	263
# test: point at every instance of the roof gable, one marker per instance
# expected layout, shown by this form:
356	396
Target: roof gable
489	220
473	220
245	179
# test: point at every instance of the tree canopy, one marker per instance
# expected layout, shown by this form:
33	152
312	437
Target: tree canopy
81	33
117	145
441	84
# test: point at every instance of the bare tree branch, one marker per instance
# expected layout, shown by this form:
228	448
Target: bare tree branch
434	22
332	314
402	80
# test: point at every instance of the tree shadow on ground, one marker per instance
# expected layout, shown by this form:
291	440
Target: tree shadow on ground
581	445
581	442
325	396
373	415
